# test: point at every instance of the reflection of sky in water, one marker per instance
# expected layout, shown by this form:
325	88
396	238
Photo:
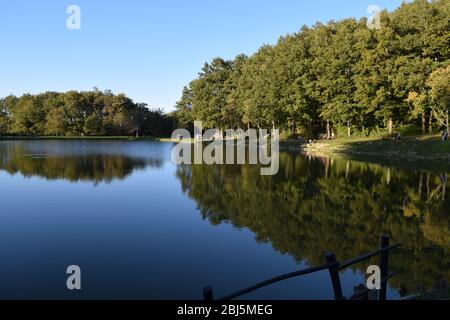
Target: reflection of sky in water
139	149
143	237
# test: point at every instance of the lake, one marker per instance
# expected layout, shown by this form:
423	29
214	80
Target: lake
142	227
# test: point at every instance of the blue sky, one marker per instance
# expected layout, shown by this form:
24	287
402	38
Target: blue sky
148	49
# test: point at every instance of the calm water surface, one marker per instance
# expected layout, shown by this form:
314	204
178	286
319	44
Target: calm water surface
141	227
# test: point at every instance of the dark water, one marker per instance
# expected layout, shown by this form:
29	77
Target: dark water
142	227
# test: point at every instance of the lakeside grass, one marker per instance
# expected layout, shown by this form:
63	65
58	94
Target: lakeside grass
425	148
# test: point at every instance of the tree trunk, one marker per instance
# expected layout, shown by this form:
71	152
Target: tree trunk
430	128
349	130
446	122
347	170
391	126
424	123
328	130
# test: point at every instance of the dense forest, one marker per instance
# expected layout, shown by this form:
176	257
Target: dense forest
91	113
340	77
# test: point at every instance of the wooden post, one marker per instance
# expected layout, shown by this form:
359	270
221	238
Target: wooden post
384	266
330	258
208	294
358	293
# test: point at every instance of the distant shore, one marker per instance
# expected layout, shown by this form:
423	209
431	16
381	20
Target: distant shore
5	138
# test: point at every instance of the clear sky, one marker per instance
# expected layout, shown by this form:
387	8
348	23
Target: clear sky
148	49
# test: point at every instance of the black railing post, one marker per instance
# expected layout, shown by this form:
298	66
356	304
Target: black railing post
208	294
384	267
334	267
330	258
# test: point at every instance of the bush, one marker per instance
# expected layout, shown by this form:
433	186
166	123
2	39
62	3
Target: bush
409	130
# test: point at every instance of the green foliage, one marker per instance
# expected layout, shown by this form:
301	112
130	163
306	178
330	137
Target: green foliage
315	205
73	113
439	84
96	168
340	73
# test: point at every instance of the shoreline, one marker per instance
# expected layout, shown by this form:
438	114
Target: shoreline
128	138
409	148
429	148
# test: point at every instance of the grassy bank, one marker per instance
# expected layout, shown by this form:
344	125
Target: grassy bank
423	148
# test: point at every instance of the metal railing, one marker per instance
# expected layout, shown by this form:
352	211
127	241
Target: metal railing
334	268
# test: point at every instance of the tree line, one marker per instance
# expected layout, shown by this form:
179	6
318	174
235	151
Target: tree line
340	77
89	113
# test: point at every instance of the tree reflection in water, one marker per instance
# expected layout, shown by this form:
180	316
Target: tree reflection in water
319	204
65	161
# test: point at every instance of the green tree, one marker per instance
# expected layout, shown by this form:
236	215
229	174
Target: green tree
439	84
80	113
183	110
210	92
338	74
55	122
